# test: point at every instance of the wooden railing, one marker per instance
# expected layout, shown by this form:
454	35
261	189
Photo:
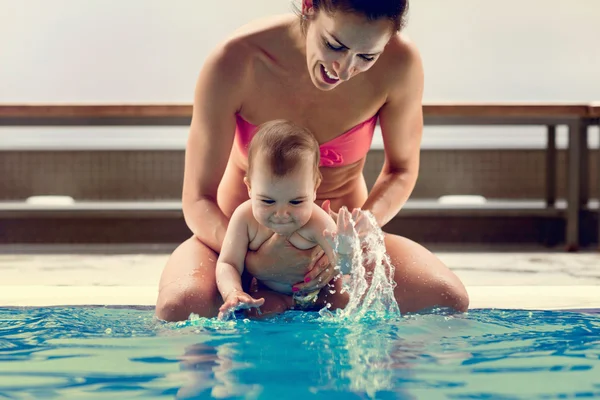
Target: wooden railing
577	118
33	113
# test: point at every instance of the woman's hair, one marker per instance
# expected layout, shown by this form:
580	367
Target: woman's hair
283	145
393	10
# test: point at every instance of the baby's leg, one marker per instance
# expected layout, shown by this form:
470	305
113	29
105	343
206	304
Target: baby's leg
275	303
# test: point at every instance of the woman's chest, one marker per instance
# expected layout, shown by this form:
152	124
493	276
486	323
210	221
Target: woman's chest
327	114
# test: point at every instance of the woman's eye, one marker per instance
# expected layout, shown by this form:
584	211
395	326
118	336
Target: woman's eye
332	47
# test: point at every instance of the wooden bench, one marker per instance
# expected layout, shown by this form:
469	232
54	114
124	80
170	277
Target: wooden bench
574	116
577	117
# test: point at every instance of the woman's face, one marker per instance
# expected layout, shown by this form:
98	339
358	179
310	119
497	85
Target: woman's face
342	45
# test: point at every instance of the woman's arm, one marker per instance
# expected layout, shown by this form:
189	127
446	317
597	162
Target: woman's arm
401	120
218	96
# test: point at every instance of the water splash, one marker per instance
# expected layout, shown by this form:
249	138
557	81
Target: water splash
371	284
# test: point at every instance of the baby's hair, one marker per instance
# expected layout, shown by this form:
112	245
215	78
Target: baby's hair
283	145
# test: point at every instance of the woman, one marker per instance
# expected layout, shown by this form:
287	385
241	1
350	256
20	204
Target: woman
336	69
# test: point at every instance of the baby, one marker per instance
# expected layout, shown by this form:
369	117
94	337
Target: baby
282	180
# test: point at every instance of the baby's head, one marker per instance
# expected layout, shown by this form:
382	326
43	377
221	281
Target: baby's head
283	175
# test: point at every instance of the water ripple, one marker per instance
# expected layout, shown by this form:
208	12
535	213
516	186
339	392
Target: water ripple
83	352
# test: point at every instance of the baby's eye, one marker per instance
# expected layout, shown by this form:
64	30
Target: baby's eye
268	201
296	202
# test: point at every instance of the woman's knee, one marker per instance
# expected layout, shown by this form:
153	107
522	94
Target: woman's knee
177	304
454	296
171	306
422	279
188	283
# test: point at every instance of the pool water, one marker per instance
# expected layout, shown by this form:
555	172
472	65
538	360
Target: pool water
113	353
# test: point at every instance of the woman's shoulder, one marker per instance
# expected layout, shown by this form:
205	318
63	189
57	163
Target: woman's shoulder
401	51
400	62
250	43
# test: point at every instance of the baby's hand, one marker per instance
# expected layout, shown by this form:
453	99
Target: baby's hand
363	224
346	233
237	301
343	239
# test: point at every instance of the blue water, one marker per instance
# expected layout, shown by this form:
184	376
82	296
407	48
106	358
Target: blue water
104	353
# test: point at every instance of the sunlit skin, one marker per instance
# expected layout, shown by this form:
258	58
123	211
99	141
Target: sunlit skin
278	206
272	69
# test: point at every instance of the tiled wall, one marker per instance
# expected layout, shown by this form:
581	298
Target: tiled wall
156	175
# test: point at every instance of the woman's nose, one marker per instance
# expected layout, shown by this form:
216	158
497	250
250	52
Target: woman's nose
343	68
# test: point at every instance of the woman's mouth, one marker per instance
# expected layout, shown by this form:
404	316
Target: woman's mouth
328	77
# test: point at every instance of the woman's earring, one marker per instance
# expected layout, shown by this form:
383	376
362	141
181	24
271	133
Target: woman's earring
304	17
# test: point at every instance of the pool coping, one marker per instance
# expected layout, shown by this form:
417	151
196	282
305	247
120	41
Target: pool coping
499	297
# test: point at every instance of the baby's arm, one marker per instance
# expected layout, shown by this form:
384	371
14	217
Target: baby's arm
230	263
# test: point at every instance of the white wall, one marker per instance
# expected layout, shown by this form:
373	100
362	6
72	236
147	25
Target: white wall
113	50
509	50
73	51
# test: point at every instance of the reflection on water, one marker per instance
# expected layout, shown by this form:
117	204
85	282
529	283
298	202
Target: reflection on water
109	353
325	357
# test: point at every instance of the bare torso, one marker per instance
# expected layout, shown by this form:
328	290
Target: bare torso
300	241
281	89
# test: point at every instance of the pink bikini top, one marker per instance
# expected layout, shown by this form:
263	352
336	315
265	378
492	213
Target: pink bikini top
348	148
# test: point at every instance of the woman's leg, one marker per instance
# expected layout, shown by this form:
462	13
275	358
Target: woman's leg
188	283
422	280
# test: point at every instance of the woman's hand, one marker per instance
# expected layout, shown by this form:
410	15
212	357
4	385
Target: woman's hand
320	273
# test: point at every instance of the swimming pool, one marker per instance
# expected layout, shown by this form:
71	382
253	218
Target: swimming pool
99	352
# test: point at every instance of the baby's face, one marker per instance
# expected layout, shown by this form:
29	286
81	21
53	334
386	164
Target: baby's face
282	203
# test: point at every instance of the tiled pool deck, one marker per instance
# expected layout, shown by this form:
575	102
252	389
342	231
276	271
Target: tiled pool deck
524	280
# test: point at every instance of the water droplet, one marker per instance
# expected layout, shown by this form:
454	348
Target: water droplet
108	331
370	286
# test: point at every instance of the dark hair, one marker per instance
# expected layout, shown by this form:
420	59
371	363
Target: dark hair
393	10
284	145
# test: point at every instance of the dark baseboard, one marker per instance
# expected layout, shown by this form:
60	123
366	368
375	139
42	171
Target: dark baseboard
170	229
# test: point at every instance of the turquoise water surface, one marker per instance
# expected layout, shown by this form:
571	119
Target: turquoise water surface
87	353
